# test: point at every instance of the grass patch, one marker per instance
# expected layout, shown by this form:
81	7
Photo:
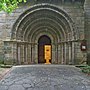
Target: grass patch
84	68
5	66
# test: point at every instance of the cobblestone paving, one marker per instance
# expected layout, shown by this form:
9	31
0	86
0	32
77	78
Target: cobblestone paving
45	77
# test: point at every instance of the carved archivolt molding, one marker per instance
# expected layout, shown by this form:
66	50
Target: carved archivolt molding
43	19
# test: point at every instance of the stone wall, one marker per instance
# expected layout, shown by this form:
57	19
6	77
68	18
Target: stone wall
74	9
87	27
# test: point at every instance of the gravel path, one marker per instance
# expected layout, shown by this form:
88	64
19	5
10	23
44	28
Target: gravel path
45	77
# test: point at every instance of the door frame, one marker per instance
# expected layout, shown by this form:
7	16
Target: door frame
45	43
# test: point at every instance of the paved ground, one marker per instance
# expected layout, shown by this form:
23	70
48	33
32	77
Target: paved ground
45	77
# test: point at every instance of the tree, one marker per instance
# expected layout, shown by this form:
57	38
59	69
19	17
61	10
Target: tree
9	5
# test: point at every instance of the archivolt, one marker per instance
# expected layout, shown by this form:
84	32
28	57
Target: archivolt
39	17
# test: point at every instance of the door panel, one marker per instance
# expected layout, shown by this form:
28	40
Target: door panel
41	54
43	40
47	52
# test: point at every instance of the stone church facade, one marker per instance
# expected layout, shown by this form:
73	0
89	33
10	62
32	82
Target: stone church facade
62	24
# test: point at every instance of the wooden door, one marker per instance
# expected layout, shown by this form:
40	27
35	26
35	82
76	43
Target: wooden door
41	54
47	52
43	40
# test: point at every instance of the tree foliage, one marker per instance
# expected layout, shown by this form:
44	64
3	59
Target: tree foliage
9	5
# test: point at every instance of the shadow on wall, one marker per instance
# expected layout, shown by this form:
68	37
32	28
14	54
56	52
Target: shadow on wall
88	58
1	58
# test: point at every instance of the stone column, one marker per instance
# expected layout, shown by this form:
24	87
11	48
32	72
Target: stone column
53	54
70	52
59	53
22	53
25	54
62	62
73	53
36	53
32	53
28	53
18	55
56	53
67	53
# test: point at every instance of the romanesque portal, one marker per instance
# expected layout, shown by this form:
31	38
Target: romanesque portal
44	24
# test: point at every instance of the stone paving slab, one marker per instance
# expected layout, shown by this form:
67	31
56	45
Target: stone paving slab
45	77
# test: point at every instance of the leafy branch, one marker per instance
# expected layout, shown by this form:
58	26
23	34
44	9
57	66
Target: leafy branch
9	5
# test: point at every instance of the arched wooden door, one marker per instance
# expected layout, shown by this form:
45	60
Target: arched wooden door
43	40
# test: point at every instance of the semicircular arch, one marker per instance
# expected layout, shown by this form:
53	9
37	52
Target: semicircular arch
65	21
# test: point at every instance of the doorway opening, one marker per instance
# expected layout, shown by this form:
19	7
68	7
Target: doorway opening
43	40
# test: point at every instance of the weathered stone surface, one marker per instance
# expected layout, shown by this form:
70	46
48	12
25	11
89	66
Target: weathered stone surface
87	27
77	11
3	87
45	77
16	87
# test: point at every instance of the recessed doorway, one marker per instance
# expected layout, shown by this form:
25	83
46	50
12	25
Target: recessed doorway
43	40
